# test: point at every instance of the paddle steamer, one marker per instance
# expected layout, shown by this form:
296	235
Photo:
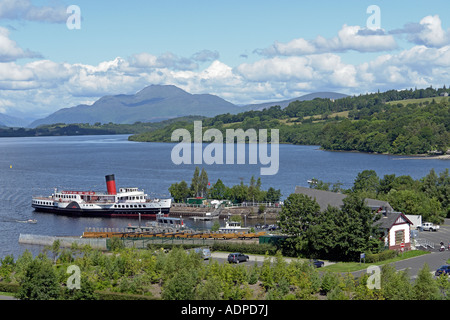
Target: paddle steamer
128	202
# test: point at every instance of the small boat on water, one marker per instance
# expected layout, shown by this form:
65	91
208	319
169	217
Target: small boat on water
232	226
28	221
128	202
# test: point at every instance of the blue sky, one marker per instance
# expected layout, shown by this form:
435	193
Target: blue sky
243	51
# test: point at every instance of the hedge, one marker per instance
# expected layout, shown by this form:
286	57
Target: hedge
9	287
254	248
105	295
383	255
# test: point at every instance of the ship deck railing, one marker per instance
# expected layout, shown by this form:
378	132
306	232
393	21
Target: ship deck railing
42	198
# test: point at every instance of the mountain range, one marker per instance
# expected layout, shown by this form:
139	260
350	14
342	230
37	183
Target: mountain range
153	104
10	121
285	103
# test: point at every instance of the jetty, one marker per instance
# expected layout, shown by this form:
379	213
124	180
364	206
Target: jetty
184	234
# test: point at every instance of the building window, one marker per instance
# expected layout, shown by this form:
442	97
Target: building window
399	237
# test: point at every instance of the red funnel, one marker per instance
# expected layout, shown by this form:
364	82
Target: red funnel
111	184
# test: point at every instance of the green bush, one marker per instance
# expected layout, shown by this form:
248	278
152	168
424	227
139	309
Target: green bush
9	287
105	295
254	248
383	255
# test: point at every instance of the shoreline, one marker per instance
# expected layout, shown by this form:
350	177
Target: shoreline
403	156
422	157
319	147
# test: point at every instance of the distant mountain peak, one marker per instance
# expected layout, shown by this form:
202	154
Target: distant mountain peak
157	89
152	103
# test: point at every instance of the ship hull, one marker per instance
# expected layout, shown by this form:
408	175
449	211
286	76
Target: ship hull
149	213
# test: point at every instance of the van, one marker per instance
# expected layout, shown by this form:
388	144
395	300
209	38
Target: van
204	252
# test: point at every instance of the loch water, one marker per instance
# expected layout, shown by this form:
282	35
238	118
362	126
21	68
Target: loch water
36	165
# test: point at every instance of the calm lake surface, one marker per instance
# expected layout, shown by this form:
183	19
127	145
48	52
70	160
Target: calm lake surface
37	165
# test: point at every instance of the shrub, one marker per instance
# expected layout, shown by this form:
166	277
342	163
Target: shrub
9	287
254	248
104	295
383	255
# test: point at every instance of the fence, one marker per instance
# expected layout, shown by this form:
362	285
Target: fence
426	244
230	205
64	241
142	243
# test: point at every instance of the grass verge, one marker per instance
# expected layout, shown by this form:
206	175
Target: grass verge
356	266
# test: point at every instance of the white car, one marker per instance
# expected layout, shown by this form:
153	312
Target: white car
428	226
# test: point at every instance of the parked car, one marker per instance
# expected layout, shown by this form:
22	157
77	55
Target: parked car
445	269
237	257
428	226
317	263
205	253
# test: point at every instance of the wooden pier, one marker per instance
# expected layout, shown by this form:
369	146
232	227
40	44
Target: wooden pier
184	234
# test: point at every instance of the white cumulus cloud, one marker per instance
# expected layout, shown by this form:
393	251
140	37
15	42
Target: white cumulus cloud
25	10
349	38
9	50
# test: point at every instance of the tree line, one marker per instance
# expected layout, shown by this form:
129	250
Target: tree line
201	187
370	125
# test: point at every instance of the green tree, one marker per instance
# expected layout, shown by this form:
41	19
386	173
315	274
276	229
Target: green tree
416	203
296	216
39	281
7	266
180	191
238	193
425	287
342	234
203	183
252	191
273	195
357	231
322	235
195	183
208	289
86	291
366	182
395	285
386	184
181	286
56	249
218	190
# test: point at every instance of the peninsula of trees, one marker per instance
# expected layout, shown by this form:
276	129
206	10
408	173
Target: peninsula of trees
408	122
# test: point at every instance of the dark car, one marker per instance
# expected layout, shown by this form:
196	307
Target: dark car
445	269
317	263
237	257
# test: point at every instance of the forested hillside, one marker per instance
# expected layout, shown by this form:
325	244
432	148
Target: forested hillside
377	122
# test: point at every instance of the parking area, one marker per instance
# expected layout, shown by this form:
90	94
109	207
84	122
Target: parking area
442	235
